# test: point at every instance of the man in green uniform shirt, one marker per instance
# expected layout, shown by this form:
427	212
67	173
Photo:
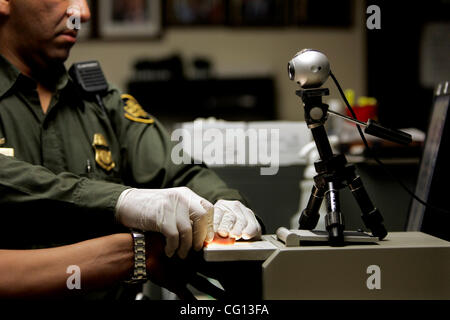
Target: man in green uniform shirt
70	171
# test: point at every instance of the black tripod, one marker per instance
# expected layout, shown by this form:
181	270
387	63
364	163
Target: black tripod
333	174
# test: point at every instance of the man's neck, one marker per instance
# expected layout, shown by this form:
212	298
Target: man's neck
45	97
22	67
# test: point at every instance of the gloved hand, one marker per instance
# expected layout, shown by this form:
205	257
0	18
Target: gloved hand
233	219
182	216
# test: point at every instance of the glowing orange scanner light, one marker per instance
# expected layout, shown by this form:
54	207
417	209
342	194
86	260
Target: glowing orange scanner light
220	240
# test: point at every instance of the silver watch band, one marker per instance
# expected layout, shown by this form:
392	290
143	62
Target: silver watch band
140	266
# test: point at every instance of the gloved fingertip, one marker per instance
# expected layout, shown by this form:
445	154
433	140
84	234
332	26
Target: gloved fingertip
169	252
208	206
234	236
210	236
182	254
246	236
198	246
223	233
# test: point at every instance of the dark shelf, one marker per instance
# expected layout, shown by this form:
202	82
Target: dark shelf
232	99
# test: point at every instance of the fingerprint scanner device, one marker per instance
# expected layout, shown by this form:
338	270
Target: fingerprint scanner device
404	265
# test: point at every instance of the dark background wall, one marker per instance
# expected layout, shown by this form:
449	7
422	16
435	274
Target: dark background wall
394	58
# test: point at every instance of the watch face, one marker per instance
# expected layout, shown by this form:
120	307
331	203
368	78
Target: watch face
138	234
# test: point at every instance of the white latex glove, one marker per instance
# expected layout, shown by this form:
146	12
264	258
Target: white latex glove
182	216
233	219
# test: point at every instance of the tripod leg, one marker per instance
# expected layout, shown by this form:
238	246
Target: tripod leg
310	215
334	220
371	216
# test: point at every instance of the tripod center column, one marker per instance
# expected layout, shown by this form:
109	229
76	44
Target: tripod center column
334	220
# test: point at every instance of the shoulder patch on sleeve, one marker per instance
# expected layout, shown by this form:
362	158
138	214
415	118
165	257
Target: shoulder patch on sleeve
134	111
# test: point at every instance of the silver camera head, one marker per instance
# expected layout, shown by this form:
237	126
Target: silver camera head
309	68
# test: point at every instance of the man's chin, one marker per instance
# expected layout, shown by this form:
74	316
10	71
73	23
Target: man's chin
59	55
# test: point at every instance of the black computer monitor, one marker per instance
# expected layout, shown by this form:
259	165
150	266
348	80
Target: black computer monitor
433	182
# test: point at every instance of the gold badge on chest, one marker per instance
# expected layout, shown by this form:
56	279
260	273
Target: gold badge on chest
103	155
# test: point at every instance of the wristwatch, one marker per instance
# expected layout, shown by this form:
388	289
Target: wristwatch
140	266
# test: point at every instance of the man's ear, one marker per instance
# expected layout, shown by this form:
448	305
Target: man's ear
4	7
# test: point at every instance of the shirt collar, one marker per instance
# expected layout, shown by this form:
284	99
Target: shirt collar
63	78
9	75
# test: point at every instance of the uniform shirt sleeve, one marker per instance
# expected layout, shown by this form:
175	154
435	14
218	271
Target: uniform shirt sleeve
24	183
146	149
